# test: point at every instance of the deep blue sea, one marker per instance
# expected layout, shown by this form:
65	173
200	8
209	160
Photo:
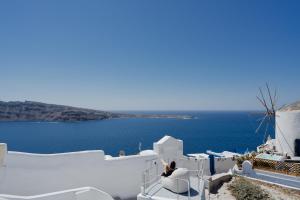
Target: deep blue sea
217	131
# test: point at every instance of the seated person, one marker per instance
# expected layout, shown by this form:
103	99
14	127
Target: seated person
168	169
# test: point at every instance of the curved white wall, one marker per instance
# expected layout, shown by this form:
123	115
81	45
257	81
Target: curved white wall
287	130
32	174
86	193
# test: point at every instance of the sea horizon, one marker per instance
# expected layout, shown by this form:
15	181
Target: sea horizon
204	132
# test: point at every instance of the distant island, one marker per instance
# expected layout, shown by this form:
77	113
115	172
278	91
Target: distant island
37	111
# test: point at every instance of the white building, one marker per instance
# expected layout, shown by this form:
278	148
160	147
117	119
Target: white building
287	132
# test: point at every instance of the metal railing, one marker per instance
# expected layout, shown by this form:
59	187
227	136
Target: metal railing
152	167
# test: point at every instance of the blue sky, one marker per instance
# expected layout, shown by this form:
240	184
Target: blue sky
149	55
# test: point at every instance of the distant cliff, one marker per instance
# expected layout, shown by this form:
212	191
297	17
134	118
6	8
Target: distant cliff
36	111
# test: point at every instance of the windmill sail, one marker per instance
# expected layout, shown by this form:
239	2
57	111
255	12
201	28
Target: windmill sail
270	109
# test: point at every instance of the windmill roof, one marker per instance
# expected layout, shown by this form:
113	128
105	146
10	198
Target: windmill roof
291	107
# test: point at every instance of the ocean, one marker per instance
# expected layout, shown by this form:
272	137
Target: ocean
216	131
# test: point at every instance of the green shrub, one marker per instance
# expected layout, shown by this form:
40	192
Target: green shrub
242	189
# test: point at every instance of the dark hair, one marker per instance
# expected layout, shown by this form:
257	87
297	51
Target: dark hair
173	165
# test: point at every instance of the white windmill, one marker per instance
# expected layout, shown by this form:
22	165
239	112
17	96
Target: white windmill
285	121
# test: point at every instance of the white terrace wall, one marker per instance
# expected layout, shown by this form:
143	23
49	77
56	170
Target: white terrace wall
223	164
27	174
195	164
86	193
32	174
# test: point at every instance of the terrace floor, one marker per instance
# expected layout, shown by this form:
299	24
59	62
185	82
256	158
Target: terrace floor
157	192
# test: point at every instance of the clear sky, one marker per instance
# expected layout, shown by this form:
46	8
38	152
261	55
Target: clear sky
148	54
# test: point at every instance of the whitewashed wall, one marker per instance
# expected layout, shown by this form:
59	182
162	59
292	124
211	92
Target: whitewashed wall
221	164
86	193
192	163
224	164
287	130
169	148
32	174
27	174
